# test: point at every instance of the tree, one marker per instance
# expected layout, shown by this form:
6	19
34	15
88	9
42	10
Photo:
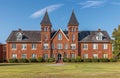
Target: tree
116	42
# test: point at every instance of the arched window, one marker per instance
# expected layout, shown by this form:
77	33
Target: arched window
59	36
73	37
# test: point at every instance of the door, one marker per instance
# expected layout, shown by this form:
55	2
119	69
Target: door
59	56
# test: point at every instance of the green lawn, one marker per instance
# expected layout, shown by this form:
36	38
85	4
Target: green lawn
67	70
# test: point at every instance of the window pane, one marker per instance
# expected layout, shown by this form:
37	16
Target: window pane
59	36
45	46
14	46
85	56
33	55
72	55
95	56
105	55
45	56
24	56
95	46
105	46
85	46
24	46
33	46
14	55
73	46
59	46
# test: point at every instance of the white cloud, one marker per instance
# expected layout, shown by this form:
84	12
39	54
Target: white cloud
89	4
42	11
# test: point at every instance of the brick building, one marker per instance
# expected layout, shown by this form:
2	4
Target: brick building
2	52
59	44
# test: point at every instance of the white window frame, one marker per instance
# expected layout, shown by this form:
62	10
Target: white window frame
85	56
73	37
44	56
24	55
14	46
34	46
105	46
24	46
73	55
105	55
95	46
34	55
66	46
59	36
95	56
45	46
59	46
73	46
85	46
14	56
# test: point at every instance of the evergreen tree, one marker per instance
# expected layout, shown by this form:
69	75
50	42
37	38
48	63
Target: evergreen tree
116	42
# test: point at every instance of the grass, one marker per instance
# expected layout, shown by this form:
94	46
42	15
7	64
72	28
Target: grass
68	70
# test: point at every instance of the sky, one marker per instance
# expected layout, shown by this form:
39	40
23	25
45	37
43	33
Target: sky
27	14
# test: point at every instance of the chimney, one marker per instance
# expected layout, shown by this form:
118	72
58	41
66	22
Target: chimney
99	30
19	29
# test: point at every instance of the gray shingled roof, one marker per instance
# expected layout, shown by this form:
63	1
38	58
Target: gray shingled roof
46	20
90	36
73	21
28	36
34	36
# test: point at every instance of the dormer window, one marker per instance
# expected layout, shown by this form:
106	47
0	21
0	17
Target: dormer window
19	36
99	36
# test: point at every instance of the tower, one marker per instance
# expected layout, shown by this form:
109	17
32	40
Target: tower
46	35
73	33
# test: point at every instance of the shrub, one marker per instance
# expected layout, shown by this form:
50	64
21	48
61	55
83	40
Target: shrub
78	59
66	60
103	60
51	59
40	59
72	60
94	60
13	60
32	60
113	60
23	61
86	60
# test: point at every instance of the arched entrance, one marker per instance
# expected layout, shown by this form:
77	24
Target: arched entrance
59	56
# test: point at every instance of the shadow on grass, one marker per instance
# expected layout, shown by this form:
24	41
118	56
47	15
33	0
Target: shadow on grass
13	64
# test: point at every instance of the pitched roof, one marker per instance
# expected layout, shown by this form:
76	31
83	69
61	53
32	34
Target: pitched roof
28	36
73	21
35	36
90	36
46	20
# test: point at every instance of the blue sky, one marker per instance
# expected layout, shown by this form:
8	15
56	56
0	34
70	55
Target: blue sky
27	14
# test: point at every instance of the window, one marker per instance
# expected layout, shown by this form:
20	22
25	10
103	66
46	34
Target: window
24	46
19	36
65	55
105	46
45	56
24	56
13	46
59	46
85	56
66	46
85	46
95	56
59	36
52	46
99	36
72	55
71	29
45	29
14	56
73	37
4	48
73	46
105	55
74	29
45	46
52	55
33	46
46	37
95	46
34	55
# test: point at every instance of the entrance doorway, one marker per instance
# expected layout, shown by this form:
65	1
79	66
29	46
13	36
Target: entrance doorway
59	56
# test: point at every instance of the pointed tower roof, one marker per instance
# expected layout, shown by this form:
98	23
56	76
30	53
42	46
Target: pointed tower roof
46	20
73	21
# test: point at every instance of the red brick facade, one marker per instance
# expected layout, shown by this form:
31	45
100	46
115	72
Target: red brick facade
59	44
2	52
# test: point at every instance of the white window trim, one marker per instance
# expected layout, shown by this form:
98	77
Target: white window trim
45	46
85	56
14	48
84	47
95	56
35	48
59	46
105	46
95	46
73	46
24	45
